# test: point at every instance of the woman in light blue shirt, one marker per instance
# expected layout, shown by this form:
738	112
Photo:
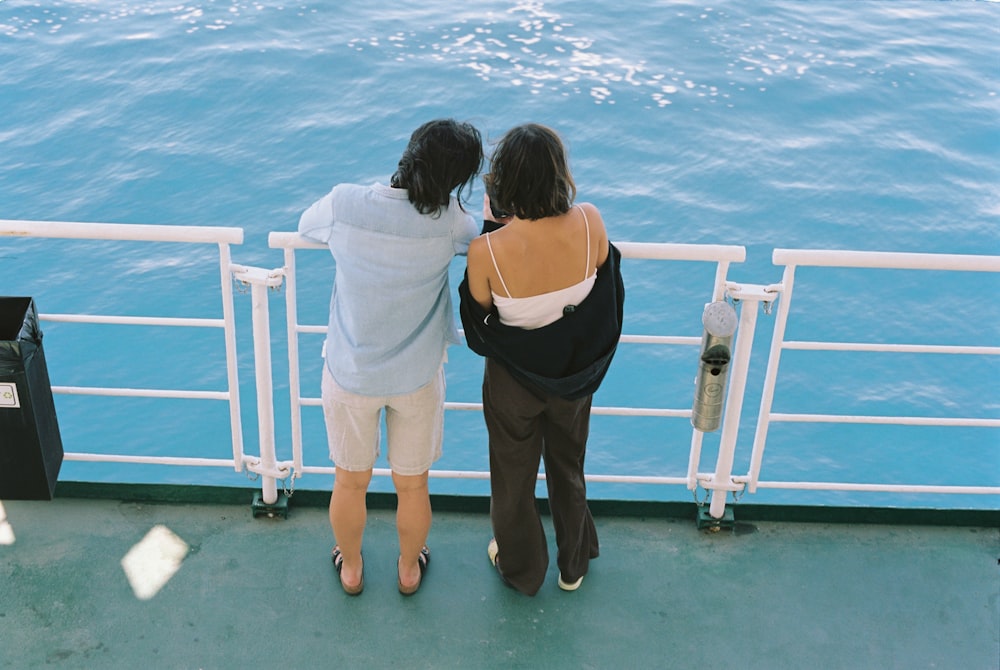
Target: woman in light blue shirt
391	320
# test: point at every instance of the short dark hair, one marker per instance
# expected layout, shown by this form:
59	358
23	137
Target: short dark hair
442	155
529	174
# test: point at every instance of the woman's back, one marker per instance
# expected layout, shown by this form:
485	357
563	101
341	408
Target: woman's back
536	268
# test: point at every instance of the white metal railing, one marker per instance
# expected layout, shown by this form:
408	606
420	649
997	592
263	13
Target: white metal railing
792	258
720	255
223	237
747	297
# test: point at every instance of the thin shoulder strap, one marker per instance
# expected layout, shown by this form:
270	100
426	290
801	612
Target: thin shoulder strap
586	225
495	267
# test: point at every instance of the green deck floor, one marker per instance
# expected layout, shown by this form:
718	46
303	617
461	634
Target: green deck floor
261	593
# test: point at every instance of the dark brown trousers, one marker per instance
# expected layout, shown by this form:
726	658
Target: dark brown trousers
524	427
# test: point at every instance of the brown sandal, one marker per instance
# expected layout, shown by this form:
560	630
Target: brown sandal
338	564
423	560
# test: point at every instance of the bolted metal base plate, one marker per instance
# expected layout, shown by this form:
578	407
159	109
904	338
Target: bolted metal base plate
278	508
708	522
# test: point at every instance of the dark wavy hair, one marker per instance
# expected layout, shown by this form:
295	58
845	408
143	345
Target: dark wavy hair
442	155
529	174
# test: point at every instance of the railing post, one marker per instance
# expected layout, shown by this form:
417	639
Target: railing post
232	368
770	378
294	373
267	501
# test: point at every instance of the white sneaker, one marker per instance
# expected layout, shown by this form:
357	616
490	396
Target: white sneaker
492	550
570	586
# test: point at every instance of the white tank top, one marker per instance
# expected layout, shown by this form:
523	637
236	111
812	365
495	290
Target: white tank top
541	310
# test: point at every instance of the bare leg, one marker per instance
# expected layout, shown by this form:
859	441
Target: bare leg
348	515
413	523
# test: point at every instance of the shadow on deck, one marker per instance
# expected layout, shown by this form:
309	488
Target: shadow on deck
767	593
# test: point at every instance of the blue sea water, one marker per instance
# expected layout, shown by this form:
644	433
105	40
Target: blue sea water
825	124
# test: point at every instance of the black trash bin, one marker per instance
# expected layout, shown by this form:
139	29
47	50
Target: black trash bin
31	450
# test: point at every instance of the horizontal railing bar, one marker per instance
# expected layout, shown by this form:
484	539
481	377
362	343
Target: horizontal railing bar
894	420
644	250
132	232
458	474
601	411
641	411
291	240
147	460
885	260
881	488
686	340
385	472
484	476
633	339
463	406
682	252
133	320
140	393
661	339
900	348
636	479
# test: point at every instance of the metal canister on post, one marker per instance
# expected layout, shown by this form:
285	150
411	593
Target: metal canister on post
719	320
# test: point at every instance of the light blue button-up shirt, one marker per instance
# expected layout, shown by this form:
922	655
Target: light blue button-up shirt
391	314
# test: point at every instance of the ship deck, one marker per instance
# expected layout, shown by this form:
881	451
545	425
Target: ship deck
779	588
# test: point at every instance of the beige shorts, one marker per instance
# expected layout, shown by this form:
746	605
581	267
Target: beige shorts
414	426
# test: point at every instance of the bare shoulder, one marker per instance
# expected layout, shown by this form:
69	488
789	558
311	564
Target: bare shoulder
595	220
478	272
598	233
593	215
478	253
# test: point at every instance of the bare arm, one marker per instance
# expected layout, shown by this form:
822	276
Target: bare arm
478	269
598	234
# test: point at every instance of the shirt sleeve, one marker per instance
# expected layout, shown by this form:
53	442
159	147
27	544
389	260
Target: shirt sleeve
316	223
464	231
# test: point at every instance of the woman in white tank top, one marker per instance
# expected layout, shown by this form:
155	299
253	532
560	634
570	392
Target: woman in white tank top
537	266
